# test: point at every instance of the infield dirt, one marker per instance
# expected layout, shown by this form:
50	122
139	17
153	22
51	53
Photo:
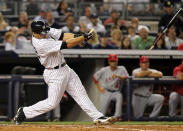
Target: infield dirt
91	127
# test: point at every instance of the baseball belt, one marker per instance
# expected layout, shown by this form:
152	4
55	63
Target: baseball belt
140	95
57	67
112	90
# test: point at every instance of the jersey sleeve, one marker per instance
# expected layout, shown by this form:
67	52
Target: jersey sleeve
51	46
134	72
55	33
98	75
176	71
125	72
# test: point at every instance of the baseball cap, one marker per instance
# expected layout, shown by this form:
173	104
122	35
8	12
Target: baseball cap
113	57
168	3
143	27
94	15
144	59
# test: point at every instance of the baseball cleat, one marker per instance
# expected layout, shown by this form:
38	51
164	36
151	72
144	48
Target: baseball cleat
104	120
19	117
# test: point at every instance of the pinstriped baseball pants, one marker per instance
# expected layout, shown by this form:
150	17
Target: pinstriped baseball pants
58	81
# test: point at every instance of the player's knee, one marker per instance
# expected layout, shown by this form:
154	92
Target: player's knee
173	96
52	104
119	96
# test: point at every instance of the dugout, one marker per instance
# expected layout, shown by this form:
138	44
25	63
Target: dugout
85	63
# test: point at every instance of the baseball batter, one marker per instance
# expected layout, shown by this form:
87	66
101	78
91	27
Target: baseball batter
142	93
112	77
57	74
176	97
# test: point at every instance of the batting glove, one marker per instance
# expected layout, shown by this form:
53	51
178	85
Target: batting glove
88	35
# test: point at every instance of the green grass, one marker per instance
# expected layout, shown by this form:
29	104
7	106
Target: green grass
90	123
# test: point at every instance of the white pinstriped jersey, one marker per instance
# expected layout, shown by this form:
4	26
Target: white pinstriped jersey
48	49
105	74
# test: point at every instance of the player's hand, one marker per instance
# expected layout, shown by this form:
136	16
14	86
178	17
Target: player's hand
102	90
114	76
88	35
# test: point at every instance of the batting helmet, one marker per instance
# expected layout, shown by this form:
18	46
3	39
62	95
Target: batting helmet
113	57
39	27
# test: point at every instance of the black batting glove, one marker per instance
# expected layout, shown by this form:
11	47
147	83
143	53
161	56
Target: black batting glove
87	35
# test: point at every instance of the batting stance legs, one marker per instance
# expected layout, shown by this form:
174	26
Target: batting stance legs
58	83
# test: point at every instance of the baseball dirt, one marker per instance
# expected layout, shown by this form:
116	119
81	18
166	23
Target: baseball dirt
30	127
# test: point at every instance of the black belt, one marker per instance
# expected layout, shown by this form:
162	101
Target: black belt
112	90
140	95
57	67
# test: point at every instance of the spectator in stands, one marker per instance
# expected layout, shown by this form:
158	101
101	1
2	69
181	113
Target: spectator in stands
61	9
23	25
135	24
87	14
139	7
32	7
132	33
143	93
103	10
82	29
169	13
22	36
126	43
3	24
144	40
168	8
99	28
23	20
160	45
116	35
115	4
14	30
104	43
70	27
156	7
42	15
114	18
10	41
176	97
51	21
172	42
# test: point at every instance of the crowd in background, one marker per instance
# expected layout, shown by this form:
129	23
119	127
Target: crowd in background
113	32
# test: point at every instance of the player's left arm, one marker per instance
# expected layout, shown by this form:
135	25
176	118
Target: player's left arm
67	36
157	74
71	42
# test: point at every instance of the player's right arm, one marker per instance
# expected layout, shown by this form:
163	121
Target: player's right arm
96	77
